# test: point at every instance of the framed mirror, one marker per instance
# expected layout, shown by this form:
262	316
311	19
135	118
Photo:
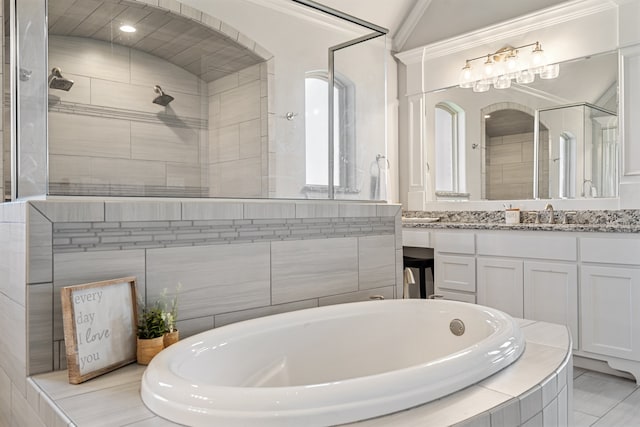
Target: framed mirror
488	146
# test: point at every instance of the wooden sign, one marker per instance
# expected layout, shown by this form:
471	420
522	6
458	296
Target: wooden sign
100	327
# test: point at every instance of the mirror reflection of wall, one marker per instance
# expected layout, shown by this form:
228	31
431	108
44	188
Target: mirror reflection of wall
509	154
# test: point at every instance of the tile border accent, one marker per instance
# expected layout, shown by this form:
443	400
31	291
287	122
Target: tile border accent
79	109
128	235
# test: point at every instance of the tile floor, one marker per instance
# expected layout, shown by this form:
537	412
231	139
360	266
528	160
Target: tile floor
601	400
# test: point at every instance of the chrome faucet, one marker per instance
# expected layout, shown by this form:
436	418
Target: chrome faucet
549	207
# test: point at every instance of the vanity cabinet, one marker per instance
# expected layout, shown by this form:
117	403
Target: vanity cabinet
610	296
528	275
587	281
551	294
455	266
545	291
610	301
500	285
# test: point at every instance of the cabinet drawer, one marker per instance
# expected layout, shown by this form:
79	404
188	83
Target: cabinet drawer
534	246
610	251
459	243
416	238
456	273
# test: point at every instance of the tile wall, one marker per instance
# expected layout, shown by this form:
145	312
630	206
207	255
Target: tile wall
13	310
236	260
238	134
510	167
107	137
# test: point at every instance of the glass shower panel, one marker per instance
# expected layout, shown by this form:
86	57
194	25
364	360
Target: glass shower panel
31	152
581	150
604	153
146	101
5	146
359	72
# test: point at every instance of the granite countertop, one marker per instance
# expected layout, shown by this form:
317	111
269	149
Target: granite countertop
619	221
601	228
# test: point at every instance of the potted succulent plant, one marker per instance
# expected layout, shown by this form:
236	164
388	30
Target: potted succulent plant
151	330
170	316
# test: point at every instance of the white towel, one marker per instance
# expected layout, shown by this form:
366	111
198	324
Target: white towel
408	280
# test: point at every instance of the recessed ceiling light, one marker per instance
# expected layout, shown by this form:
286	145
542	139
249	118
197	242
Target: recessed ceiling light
127	29
487	116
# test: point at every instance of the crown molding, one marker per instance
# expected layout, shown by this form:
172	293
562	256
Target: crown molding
306	13
544	18
410	23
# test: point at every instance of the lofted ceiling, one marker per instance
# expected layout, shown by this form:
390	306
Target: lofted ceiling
203	51
414	23
385	13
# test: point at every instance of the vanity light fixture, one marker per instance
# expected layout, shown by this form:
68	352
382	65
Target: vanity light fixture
127	28
505	65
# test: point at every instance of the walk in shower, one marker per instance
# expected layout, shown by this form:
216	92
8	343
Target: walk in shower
581	150
171	100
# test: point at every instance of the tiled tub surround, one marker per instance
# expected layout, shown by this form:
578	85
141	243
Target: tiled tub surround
622	221
235	259
536	390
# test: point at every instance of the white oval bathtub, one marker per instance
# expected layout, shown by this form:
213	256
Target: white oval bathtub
328	365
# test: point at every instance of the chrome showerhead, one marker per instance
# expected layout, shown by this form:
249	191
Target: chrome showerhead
56	81
162	98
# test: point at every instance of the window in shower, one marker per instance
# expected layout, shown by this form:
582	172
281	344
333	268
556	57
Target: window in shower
317	133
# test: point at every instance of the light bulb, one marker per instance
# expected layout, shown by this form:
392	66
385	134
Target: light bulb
466	76
488	66
127	29
512	62
538	59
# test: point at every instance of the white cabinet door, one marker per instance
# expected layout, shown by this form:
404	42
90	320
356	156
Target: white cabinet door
500	285
551	294
457	273
610	317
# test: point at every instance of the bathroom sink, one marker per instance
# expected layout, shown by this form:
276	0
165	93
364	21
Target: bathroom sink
420	220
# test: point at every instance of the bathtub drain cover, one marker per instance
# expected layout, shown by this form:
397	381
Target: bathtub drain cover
457	327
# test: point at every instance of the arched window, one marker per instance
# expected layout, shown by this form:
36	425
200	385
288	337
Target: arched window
317	133
449	145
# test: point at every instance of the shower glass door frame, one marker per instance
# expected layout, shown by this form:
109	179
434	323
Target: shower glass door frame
377	32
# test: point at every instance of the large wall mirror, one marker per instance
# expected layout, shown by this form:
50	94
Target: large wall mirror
200	99
554	138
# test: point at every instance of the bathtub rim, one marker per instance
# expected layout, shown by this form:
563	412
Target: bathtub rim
402	387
